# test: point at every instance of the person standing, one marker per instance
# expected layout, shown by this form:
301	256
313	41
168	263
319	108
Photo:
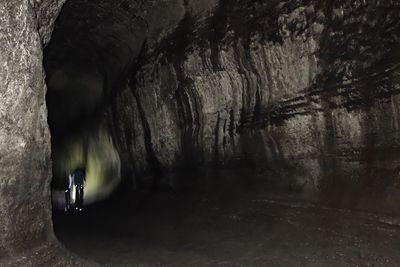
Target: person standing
79	179
69	184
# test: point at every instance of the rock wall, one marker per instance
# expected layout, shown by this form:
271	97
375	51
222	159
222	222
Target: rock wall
306	90
26	232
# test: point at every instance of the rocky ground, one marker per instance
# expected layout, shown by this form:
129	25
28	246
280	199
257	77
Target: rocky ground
222	219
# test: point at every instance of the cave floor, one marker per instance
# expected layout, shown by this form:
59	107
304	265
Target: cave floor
225	226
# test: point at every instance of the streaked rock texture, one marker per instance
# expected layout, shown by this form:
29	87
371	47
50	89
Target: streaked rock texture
306	90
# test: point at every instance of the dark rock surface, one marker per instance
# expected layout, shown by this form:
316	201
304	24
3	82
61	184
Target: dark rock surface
305	89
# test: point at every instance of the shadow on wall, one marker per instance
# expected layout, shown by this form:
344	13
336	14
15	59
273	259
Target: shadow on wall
94	150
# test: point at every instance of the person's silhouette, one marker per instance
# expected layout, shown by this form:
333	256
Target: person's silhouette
79	179
68	186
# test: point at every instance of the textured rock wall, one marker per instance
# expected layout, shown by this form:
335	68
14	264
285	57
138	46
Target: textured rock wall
307	90
93	50
46	14
25	169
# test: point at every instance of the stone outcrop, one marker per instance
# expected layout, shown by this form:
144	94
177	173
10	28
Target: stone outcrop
26	232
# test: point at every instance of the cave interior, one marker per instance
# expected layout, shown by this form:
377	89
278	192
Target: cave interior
227	132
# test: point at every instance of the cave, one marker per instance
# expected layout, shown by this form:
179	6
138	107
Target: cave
211	132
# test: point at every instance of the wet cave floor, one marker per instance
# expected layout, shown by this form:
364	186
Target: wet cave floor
225	220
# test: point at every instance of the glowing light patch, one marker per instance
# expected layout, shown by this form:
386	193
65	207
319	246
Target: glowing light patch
100	160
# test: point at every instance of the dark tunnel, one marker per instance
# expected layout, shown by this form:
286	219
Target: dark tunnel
227	133
87	63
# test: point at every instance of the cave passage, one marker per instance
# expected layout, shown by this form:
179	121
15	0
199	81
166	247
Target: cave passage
226	133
